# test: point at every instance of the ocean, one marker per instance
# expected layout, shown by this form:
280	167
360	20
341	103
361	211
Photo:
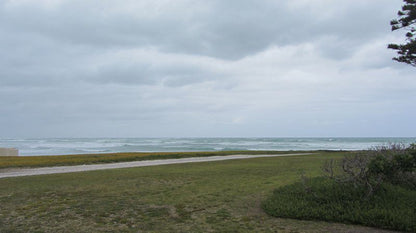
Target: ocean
62	146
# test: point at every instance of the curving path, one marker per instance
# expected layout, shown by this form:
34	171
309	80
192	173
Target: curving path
93	167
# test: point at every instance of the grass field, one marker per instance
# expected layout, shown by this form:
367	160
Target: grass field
200	197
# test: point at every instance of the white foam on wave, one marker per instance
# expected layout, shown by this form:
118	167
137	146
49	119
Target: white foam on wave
51	146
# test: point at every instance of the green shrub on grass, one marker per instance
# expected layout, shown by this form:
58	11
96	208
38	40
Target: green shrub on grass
395	166
391	207
374	188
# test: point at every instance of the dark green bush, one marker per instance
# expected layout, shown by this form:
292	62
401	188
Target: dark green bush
391	207
397	167
374	188
395	164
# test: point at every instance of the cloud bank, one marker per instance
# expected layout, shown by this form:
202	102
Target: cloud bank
202	68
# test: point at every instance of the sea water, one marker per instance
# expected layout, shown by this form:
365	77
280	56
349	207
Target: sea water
62	146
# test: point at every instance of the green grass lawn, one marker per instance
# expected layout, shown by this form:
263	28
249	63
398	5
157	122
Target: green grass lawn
198	197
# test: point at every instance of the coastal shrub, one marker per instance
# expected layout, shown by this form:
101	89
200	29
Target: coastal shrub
397	167
395	164
391	207
376	188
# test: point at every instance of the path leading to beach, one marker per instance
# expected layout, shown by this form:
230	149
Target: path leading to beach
92	167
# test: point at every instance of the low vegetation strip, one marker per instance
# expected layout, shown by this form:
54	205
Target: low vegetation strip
65	160
93	167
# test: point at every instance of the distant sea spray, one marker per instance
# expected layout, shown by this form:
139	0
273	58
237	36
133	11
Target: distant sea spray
62	146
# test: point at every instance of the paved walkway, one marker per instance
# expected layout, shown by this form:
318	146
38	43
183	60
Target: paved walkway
93	167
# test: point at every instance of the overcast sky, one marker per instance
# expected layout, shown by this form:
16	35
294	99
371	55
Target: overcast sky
182	68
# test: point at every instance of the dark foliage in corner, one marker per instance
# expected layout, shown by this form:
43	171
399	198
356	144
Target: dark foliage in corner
407	18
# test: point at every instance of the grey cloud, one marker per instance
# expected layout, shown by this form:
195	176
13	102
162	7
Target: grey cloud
152	74
201	68
224	29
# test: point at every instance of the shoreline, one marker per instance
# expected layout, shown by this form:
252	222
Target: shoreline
68	146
